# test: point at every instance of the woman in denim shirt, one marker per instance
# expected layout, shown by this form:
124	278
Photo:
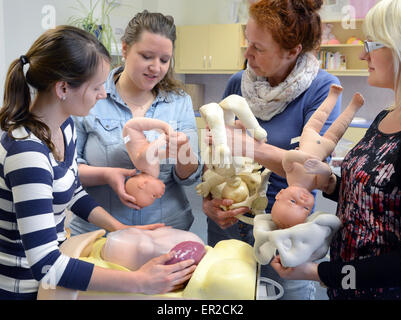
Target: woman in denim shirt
143	87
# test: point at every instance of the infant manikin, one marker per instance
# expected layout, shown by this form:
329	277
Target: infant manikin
146	187
304	167
298	237
133	247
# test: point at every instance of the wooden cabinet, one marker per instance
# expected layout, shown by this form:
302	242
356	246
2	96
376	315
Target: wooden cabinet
214	48
220	48
343	30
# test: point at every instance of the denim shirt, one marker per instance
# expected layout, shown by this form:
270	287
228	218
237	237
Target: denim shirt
100	143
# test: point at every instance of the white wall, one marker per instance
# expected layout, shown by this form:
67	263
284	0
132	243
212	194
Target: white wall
20	24
21	20
200	12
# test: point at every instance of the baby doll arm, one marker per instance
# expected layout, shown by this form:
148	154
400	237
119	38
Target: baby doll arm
315	166
143	154
325	179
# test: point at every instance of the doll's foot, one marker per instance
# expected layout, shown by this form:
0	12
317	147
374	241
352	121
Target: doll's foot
335	90
356	102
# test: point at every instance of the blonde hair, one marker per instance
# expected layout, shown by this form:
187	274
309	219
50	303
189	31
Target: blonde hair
382	24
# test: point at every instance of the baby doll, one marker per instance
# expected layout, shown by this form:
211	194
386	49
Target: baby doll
294	203
146	186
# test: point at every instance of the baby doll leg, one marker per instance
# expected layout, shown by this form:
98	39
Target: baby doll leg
237	105
214	117
141	124
322	146
144	155
340	125
321	114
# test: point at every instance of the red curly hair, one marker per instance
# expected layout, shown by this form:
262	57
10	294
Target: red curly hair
291	22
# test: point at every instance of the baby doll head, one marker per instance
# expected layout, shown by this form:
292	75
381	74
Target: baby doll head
292	206
145	188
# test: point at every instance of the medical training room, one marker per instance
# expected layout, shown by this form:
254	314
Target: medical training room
185	150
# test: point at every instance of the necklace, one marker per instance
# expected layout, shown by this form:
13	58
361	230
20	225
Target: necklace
137	109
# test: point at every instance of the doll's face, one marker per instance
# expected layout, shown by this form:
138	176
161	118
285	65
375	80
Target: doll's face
292	206
145	188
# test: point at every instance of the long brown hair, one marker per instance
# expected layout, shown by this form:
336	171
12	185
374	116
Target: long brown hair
65	53
156	23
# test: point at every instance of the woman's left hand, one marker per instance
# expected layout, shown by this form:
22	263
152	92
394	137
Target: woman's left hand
306	271
153	226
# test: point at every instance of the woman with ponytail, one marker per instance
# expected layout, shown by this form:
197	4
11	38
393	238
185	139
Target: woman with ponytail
62	74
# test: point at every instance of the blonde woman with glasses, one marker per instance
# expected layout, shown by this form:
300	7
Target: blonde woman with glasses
365	255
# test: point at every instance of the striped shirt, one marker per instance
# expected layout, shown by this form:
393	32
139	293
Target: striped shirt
35	192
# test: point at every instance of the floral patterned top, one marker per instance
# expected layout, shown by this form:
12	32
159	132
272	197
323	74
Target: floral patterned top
369	205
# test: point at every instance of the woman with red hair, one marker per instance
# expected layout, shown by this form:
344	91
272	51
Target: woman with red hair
283	85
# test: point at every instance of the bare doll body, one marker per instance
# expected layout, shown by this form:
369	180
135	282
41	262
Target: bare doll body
133	247
304	168
146	187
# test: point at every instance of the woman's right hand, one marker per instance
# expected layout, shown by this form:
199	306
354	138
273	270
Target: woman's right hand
115	178
224	219
160	278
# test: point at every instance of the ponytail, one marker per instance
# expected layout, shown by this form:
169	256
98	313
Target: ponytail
17	97
17	100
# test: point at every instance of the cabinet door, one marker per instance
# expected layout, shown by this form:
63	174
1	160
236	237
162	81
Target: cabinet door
224	47
192	47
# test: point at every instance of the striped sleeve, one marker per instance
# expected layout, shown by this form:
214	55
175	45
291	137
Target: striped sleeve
29	175
82	204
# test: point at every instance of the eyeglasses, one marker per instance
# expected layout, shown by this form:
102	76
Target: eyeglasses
370	46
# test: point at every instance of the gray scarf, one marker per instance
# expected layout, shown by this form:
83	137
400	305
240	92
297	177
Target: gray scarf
266	101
